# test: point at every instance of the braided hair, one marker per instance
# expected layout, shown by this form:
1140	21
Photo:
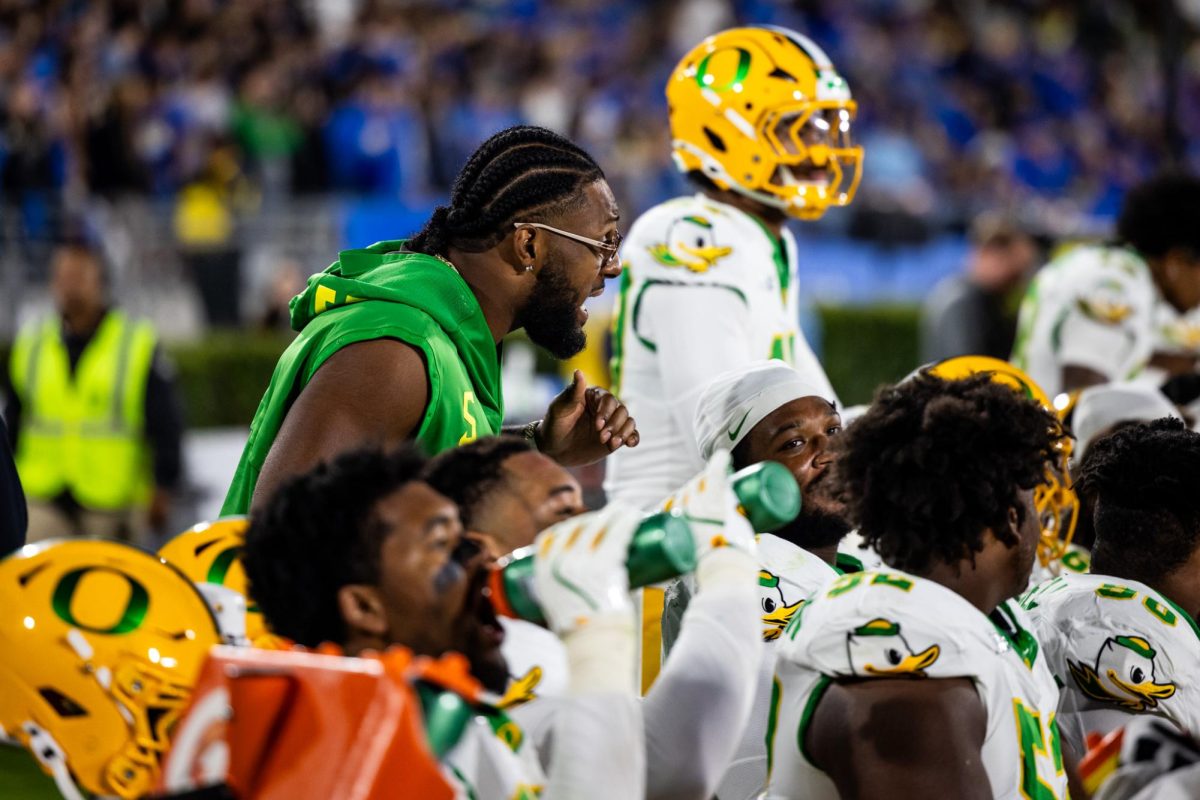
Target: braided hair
519	173
1143	480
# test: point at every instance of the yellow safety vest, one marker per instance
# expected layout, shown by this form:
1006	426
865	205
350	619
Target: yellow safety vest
85	432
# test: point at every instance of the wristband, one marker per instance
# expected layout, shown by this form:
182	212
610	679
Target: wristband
529	431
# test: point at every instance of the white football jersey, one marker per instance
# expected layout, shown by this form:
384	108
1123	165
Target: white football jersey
705	288
885	624
492	761
1117	648
787	577
1092	307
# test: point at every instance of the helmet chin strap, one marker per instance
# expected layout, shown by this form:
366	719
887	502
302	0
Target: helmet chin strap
51	756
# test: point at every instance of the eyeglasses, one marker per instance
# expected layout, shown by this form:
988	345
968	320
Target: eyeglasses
608	250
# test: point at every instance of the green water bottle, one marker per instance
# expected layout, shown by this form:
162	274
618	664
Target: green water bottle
662	548
768	494
446	716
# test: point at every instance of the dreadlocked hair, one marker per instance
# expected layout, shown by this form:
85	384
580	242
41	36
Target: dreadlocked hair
470	473
518	174
318	533
1143	480
935	463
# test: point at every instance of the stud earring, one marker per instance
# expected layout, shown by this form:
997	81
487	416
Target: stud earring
529	267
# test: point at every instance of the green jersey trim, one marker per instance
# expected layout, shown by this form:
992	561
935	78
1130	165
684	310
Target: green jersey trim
466	784
1023	642
616	363
777	255
773	721
810	710
1188	617
844	563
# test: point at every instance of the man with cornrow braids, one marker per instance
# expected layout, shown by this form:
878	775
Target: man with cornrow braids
401	340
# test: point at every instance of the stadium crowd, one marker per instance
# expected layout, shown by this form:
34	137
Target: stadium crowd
1059	100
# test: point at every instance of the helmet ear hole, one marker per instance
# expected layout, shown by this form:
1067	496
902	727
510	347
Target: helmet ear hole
62	705
716	141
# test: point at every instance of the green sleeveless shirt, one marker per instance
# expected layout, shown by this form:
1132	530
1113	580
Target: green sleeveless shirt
382	293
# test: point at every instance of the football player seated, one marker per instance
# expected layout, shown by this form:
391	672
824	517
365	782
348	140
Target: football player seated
364	554
101	646
923	679
1097	412
765	411
1056	502
1094	314
1123	640
696	709
507	492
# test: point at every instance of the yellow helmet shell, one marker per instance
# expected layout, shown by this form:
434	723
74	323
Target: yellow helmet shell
210	552
102	645
743	105
1056	501
1000	371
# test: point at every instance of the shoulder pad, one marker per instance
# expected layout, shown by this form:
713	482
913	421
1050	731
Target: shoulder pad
1116	641
882	624
689	240
787	577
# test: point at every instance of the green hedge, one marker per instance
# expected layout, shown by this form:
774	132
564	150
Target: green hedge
222	376
864	347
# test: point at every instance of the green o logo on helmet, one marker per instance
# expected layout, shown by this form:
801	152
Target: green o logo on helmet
131	618
706	81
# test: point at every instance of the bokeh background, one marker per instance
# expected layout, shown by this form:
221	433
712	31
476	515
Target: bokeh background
219	151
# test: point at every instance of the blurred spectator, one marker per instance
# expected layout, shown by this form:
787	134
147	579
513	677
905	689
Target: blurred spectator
975	311
92	412
286	283
205	225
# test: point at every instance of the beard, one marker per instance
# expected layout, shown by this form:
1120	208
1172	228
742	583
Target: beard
549	316
490	669
815	528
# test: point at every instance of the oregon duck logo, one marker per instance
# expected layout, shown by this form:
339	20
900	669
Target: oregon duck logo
690	244
878	648
1124	674
522	689
1183	334
1106	312
776	611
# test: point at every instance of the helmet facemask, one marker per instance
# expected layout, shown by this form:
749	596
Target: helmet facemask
763	112
818	165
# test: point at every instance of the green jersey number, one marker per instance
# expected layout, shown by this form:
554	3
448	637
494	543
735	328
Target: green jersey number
1031	735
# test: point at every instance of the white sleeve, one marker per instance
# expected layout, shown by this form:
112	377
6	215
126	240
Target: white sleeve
1108	327
598	747
698	707
698	332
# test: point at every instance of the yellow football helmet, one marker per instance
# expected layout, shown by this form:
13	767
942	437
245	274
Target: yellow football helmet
1057	504
763	112
209	553
100	646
